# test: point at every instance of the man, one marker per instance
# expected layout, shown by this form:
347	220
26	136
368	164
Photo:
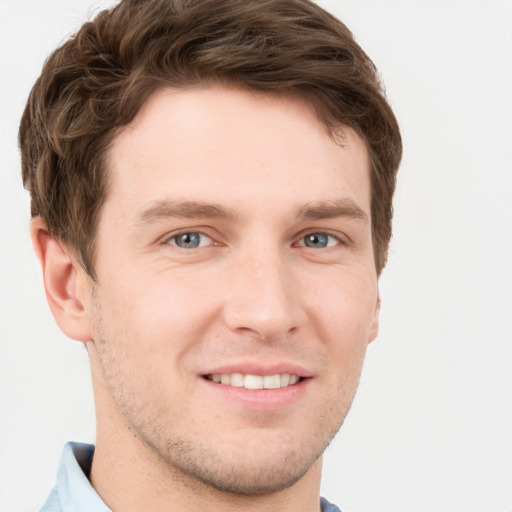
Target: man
211	186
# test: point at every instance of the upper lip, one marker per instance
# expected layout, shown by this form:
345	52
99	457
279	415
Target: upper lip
260	368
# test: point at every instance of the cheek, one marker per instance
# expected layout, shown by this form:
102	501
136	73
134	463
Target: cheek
343	314
158	313
345	305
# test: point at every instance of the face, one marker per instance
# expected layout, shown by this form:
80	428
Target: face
236	289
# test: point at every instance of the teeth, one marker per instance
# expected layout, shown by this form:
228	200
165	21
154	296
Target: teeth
253	382
237	380
248	381
271	382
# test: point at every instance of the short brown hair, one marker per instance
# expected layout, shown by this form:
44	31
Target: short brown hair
97	81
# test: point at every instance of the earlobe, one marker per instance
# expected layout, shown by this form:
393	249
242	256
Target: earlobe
60	275
374	329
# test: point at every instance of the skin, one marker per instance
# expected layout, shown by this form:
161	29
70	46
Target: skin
256	296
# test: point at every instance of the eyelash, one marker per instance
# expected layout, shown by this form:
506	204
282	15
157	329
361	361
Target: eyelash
175	236
172	240
336	237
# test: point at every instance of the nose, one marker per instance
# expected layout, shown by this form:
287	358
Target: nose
262	298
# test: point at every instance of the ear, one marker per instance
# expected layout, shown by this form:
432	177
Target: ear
61	274
374	329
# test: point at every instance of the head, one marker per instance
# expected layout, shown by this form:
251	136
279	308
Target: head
97	82
213	181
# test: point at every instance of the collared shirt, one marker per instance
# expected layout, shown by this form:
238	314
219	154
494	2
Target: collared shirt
74	493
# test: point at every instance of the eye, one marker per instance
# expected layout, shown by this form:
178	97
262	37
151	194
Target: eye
319	241
189	240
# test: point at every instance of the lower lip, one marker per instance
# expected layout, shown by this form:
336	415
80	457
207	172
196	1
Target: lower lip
259	399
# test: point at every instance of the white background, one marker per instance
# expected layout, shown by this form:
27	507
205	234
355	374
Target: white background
431	427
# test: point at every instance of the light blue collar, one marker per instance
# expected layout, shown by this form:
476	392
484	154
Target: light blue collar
73	491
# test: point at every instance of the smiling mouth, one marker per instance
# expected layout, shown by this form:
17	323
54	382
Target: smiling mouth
248	381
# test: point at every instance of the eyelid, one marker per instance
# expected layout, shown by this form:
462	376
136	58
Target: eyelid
340	237
168	238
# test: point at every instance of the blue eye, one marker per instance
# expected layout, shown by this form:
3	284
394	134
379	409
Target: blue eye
190	240
319	241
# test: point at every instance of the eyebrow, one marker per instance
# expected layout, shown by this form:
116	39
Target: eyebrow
331	209
185	209
164	209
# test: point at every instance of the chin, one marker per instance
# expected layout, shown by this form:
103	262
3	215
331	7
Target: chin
245	477
261	465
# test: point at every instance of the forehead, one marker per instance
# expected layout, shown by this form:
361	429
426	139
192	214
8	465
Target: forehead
228	145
